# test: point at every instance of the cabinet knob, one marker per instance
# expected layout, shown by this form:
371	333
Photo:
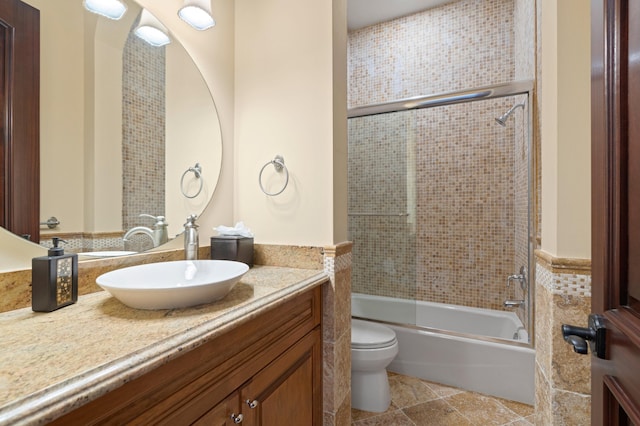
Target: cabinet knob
252	404
237	419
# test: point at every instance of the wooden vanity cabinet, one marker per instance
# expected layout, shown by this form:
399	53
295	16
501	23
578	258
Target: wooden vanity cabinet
266	371
280	394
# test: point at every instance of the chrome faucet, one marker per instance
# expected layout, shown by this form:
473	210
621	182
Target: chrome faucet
522	278
191	243
513	303
159	234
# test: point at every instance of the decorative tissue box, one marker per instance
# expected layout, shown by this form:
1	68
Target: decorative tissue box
232	247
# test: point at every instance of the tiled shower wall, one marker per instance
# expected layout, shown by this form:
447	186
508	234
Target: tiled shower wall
143	138
459	176
461	45
466	209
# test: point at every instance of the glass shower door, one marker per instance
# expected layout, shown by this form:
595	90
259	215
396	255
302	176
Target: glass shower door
440	211
382	221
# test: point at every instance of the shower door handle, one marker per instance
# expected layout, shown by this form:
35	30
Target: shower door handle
595	334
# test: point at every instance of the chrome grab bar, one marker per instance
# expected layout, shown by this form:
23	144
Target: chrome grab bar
51	223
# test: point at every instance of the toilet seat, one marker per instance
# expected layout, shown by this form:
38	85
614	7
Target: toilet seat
367	335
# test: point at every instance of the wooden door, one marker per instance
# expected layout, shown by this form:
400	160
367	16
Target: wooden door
227	413
616	208
20	123
287	391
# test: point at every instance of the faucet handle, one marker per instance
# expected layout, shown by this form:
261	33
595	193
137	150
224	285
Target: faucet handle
191	221
160	220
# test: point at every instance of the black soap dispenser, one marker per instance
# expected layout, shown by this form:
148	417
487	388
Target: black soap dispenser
54	279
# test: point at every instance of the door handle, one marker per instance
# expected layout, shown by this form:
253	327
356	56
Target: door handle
595	334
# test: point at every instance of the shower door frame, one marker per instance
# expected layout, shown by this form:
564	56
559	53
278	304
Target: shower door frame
524	87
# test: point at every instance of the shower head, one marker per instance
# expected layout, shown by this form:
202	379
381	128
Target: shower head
502	120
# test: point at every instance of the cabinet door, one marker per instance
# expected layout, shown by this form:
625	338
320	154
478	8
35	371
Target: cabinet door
226	413
289	390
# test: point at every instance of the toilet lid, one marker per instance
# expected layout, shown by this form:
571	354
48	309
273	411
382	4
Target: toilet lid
368	335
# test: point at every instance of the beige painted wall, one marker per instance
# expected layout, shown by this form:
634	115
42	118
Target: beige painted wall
62	56
565	129
285	97
193	136
103	123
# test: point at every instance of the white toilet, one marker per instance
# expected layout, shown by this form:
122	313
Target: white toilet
373	347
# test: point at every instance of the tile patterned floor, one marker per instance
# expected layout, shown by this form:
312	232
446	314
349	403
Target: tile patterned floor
416	402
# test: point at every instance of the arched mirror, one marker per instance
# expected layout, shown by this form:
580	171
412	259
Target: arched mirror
126	129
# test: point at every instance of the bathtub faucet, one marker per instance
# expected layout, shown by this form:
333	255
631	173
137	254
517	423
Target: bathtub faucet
513	303
521	277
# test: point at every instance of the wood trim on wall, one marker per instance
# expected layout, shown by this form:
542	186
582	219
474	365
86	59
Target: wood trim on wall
20	140
560	265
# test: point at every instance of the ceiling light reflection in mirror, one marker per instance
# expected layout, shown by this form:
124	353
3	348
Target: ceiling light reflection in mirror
197	13
151	30
112	9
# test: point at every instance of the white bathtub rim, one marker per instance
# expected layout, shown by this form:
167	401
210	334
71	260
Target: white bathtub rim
407	320
448	334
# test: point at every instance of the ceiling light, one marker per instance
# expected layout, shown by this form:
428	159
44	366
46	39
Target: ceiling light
151	30
197	13
112	9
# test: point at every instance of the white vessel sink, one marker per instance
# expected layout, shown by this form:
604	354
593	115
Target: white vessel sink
170	285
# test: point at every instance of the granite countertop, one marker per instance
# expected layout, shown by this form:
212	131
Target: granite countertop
51	363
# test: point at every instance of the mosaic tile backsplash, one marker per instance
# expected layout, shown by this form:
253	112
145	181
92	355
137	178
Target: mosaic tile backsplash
437	197
86	241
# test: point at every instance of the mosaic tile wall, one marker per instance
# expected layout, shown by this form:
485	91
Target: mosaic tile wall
461	177
525	69
466	205
461	45
143	139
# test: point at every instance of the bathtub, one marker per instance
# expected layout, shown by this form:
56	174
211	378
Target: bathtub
476	349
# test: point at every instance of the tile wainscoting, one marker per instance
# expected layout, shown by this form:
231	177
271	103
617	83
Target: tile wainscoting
563	379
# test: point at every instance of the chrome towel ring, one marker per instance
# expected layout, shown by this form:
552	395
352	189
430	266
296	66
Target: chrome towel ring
278	163
197	170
